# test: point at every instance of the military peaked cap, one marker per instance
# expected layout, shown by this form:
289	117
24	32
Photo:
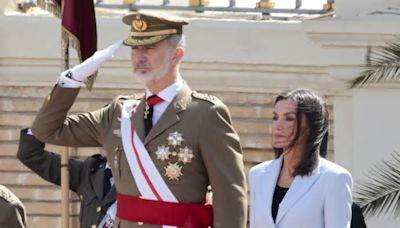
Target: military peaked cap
150	28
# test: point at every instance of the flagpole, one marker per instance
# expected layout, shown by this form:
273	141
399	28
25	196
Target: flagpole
65	155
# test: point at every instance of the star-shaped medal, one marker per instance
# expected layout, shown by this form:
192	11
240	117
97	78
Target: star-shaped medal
175	139
163	153
173	171
185	155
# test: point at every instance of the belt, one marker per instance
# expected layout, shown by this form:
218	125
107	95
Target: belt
182	215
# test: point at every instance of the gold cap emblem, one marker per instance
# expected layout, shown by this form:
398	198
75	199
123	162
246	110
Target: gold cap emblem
139	24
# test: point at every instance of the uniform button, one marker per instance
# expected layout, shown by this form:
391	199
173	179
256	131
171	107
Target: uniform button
94	226
98	209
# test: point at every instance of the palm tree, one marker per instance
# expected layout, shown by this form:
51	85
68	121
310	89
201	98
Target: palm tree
380	195
382	64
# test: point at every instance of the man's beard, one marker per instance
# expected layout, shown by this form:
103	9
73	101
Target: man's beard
154	74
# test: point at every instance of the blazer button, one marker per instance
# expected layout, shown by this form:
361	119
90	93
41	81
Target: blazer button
98	209
94	226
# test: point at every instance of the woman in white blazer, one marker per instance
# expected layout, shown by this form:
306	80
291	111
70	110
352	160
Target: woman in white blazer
299	188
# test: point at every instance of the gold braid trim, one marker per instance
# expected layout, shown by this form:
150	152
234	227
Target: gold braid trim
130	41
155	33
52	8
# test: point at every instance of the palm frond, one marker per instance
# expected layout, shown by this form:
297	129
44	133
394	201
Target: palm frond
382	64
380	195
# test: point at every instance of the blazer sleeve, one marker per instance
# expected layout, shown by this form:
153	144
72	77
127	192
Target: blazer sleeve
222	154
10	215
53	125
46	164
338	201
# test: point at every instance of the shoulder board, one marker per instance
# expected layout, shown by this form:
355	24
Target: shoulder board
137	96
205	96
7	195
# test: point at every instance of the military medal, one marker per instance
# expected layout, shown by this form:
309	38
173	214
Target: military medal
173	171
163	153
146	111
175	149
185	155
175	139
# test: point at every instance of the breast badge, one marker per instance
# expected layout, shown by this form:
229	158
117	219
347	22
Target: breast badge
175	139
173	171
163	153
176	154
185	155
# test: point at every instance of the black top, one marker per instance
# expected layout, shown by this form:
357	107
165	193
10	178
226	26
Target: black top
357	219
279	193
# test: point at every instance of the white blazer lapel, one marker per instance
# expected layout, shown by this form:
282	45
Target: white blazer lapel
299	187
267	187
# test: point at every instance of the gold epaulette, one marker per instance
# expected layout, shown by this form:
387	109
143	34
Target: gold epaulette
205	96
137	96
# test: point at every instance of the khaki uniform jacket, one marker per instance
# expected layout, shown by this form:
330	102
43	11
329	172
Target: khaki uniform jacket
205	125
86	177
12	211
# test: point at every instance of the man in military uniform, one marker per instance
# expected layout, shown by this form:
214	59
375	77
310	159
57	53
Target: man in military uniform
165	148
12	211
88	178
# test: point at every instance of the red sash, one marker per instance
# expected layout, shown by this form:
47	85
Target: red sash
182	215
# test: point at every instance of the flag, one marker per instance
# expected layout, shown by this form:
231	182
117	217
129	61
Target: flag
78	22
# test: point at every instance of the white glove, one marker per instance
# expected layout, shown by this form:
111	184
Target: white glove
80	72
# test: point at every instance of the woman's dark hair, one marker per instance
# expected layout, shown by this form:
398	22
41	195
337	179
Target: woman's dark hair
313	108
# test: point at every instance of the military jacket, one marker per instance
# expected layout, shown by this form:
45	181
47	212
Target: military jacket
204	127
12	211
86	177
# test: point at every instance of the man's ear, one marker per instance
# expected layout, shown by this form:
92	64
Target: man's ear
178	55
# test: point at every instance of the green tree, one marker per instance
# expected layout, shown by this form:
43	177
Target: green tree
382	64
380	195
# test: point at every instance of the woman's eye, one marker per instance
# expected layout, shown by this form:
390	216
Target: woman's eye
290	119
